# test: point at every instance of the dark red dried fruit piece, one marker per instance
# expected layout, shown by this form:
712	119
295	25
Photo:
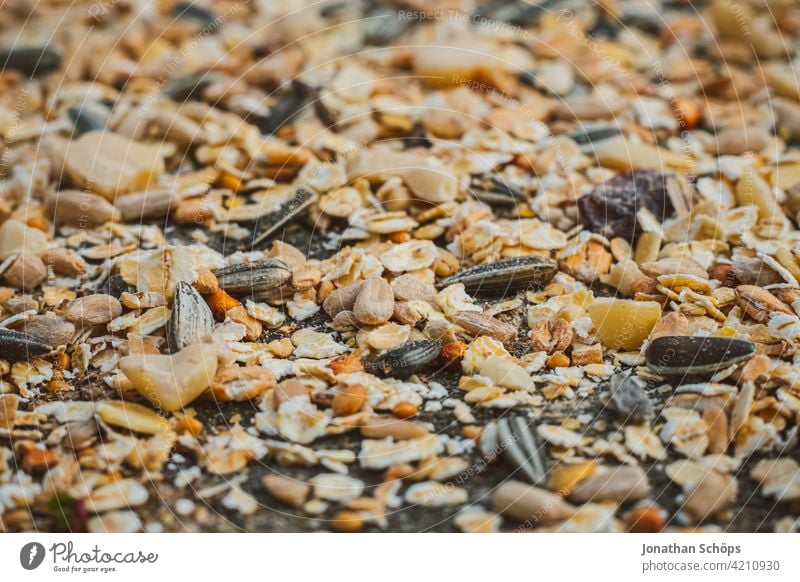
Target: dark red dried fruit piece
610	209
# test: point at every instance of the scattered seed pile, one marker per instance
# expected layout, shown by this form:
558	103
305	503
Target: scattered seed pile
370	265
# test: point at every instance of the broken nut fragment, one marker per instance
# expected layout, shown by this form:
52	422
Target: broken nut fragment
172	381
110	164
759	303
622	323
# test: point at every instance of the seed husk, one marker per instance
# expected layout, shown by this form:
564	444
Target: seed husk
478	324
522	449
191	318
759	303
412	358
256	278
628	400
694	357
15	345
275	221
495	191
505	276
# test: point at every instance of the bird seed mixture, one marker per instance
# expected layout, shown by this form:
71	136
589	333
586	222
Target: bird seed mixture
281	265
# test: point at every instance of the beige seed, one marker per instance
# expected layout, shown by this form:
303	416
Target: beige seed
375	302
155	203
342	299
735	141
64	261
81	209
523	502
93	309
617	484
289	491
26	272
51	329
710	496
382	427
18	238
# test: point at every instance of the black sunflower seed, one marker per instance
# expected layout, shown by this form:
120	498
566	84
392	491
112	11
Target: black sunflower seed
679	357
407	360
590	135
493	190
505	276
30	61
15	346
254	278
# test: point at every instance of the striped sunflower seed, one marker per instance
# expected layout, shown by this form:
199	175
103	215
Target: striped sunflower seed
505	276
412	358
256	279
15	345
519	446
191	318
